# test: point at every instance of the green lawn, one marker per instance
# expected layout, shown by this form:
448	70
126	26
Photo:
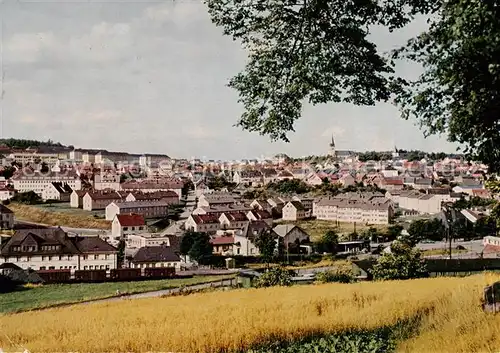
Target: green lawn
51	294
433	252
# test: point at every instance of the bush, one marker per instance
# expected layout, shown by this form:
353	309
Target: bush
278	276
342	274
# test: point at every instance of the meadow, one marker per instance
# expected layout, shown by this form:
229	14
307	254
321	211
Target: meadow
445	313
36	297
58	216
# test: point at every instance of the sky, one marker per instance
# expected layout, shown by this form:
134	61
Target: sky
150	77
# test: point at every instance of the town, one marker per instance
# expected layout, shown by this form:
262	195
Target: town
145	205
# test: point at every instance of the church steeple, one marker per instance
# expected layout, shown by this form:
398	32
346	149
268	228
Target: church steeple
332	152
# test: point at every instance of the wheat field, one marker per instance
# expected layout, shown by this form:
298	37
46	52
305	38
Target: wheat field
219	321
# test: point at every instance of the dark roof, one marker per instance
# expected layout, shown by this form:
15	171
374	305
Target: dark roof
298	205
93	244
10	266
4	209
223	240
156	254
54	236
62	188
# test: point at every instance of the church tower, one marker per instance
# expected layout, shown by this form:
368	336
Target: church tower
332	152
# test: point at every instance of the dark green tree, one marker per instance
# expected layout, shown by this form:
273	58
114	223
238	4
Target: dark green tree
404	262
329	242
120	257
197	246
267	244
458	92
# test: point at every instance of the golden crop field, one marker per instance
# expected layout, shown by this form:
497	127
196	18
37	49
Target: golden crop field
453	320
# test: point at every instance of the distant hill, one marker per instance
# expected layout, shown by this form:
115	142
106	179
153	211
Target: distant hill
23	144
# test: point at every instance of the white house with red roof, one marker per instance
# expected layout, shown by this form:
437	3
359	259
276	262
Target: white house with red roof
208	223
233	220
127	224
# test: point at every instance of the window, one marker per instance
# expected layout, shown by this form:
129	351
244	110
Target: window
50	258
52	268
96	257
60	257
106	257
70	257
84	267
42	268
91	267
107	267
125	228
85	257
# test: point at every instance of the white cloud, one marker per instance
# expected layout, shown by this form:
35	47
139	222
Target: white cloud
28	47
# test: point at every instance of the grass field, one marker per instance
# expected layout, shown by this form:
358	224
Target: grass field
447	310
47	295
433	252
317	228
58	216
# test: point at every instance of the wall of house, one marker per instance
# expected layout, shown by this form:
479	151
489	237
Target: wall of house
57	262
289	213
176	264
39	184
111	211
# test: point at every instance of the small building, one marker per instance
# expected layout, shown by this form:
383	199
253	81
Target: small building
148	209
76	198
208	223
156	256
126	224
99	200
291	234
260	215
6	217
57	191
293	211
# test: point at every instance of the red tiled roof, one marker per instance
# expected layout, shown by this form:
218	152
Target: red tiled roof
205	218
236	216
222	241
131	220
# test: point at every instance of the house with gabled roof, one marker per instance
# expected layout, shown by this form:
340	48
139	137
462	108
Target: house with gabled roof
207	223
127	224
6	217
233	220
52	248
260	215
156	256
57	191
293	211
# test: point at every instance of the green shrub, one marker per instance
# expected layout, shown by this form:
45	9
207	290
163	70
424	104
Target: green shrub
278	276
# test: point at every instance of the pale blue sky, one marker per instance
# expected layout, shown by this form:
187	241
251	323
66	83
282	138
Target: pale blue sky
150	77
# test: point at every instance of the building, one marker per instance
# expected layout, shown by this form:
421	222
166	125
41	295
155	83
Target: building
293	211
29	180
167	196
331	152
76	198
248	177
137	241
291	234
152	185
99	200
156	256
6	193
148	209
218	210
208	223
57	191
367	208
107	180
126	224
6	217
260	215
233	220
53	249
216	200
262	205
